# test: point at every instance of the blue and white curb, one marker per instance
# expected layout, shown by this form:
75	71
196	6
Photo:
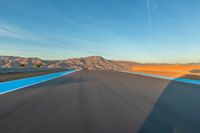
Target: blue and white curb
183	80
9	86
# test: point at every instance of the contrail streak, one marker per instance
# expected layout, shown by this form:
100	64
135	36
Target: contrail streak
149	21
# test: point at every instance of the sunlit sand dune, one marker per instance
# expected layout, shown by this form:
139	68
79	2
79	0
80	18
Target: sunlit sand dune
175	71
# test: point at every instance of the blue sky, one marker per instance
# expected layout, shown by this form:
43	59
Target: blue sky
135	30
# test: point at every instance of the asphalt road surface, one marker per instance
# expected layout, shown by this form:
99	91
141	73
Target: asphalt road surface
102	102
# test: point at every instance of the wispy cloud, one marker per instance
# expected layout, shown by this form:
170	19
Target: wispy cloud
81	25
102	30
16	32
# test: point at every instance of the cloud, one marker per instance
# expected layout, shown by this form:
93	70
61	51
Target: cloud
81	25
16	32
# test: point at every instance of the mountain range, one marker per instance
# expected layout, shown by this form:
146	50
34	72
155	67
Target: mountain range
91	62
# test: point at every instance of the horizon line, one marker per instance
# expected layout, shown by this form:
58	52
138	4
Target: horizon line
139	62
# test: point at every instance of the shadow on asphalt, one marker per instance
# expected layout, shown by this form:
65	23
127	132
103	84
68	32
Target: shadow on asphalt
176	111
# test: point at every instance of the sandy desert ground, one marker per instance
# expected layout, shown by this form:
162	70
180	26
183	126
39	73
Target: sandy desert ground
175	71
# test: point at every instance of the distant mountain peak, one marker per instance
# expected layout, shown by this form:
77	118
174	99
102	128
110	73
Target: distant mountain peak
90	62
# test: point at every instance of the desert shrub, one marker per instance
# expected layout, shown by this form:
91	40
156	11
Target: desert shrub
38	65
22	65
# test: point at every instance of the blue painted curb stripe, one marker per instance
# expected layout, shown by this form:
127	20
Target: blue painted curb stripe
22	83
196	82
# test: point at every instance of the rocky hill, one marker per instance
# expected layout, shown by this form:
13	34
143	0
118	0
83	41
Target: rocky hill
92	62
